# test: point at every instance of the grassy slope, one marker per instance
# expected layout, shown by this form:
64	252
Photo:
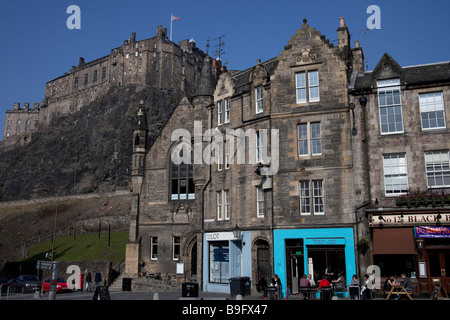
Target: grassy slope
84	247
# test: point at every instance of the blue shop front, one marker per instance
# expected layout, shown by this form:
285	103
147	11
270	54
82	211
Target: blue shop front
314	252
225	257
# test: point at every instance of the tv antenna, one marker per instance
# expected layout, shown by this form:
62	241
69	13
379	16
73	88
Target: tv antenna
219	51
364	31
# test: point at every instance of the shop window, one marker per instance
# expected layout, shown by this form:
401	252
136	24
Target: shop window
219	262
395	264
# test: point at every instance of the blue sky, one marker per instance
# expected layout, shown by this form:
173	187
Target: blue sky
37	46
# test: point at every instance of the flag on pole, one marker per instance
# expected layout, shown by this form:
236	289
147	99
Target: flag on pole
172	18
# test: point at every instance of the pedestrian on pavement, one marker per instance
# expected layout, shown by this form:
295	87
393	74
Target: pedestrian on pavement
88	282
98	278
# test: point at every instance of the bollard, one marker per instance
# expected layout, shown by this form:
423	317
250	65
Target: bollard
239	296
156	296
37	295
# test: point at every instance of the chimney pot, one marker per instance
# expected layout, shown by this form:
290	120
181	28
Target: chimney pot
342	22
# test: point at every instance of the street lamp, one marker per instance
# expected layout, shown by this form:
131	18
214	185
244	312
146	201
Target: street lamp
237	233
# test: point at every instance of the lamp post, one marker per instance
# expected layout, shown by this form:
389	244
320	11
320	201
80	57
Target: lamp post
237	233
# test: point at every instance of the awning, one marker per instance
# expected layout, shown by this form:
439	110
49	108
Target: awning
393	241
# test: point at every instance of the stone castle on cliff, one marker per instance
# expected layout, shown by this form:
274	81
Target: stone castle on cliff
156	62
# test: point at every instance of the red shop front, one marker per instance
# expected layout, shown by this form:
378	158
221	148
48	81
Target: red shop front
414	242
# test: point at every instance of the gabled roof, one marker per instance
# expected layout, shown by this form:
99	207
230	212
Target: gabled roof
387	67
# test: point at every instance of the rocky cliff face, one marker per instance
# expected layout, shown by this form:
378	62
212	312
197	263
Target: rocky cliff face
87	151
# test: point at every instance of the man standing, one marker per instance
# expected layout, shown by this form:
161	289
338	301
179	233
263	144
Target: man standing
98	278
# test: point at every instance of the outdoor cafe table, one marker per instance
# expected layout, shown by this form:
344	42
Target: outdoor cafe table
398	290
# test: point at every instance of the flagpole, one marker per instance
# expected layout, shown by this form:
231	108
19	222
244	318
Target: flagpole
171	20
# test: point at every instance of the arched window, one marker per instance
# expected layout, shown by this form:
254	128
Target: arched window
182	178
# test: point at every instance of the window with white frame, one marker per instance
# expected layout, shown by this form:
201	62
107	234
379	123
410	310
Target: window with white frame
219	205
154	248
226	194
259	99
219	155
437	165
223	205
259	146
176	246
227	110
432	111
259	202
309	139
395	174
219	113
390	105
307	86
311	202
227	147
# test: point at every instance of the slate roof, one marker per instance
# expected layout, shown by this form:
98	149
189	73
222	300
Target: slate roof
411	75
206	82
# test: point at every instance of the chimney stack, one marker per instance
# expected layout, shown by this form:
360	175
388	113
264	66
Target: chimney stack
343	34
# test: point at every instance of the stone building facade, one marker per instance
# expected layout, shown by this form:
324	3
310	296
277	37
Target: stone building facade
272	158
156	62
401	151
21	121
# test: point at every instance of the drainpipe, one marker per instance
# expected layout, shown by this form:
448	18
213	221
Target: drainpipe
363	103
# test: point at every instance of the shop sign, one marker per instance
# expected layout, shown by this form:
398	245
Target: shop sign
432	232
218	236
324	241
410	219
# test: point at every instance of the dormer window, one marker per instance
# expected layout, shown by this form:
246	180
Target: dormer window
390	104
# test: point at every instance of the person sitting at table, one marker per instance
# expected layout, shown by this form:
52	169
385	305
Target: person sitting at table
407	283
388	284
354	287
304	282
262	286
276	282
311	280
339	283
324	283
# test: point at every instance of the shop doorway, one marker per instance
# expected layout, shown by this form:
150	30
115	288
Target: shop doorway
194	261
439	267
294	263
327	260
263	265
